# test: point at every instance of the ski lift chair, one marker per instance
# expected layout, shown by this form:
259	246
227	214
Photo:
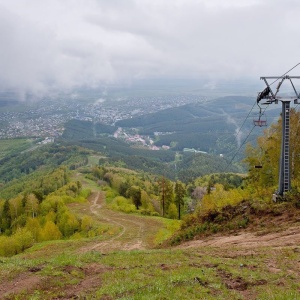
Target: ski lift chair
260	122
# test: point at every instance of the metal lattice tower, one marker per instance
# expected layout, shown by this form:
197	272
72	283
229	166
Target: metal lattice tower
284	167
271	97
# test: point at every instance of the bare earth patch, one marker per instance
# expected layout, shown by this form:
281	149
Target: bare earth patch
24	282
287	237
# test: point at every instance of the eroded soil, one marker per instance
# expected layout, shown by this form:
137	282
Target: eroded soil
250	240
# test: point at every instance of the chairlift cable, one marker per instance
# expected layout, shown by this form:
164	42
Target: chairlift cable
236	134
239	148
285	73
261	113
245	119
255	102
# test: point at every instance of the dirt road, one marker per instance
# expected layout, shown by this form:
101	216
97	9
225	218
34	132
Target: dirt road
135	232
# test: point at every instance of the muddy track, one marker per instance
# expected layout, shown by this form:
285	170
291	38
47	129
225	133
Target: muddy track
131	228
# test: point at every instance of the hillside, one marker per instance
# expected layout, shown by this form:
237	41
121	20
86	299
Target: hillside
207	126
78	130
162	162
121	263
76	223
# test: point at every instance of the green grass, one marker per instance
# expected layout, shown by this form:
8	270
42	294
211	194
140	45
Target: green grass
203	273
168	229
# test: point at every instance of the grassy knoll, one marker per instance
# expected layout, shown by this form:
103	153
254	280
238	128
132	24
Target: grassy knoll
94	159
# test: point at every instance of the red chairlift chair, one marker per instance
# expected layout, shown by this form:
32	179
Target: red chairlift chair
260	122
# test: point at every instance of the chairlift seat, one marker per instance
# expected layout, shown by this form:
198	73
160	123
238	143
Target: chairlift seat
260	123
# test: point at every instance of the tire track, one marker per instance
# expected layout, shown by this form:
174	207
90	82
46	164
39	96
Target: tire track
131	235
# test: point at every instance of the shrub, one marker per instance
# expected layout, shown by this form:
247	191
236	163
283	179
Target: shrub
122	204
16	243
50	232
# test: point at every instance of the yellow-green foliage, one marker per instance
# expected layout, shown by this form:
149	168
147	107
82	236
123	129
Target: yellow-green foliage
219	198
16	243
170	227
172	211
110	194
122	204
26	217
50	231
52	203
87	223
68	224
83	195
33	225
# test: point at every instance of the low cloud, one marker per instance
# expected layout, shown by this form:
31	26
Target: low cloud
59	45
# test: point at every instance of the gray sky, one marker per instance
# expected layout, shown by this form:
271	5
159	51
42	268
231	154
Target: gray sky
62	44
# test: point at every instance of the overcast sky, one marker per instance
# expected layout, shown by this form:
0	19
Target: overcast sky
63	44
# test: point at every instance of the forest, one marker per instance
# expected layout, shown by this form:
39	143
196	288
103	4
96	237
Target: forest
165	163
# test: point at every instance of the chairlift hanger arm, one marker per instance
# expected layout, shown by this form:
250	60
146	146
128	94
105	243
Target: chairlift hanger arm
273	98
278	86
267	84
297	95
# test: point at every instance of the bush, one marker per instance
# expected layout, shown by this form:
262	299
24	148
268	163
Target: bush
122	204
16	243
154	214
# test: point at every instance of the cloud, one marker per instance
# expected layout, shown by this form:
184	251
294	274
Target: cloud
51	44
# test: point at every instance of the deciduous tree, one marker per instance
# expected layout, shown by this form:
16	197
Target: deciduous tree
180	192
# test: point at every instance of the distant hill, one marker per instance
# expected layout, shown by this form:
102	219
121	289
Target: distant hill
77	130
210	126
162	162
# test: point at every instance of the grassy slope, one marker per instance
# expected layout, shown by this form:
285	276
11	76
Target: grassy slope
79	270
59	271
